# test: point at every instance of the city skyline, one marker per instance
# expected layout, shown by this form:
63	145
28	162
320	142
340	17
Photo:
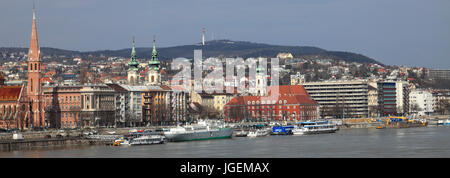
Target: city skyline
392	33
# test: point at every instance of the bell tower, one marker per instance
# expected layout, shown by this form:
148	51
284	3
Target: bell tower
34	78
154	75
133	77
261	80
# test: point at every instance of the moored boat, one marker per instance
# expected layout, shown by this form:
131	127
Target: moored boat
147	140
203	130
318	127
257	133
140	138
282	130
241	133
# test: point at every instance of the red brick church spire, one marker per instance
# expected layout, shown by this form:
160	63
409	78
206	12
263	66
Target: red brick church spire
34	53
34	77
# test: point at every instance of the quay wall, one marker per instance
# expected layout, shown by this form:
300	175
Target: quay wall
11	145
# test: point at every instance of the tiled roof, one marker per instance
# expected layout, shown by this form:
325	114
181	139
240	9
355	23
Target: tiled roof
10	93
292	94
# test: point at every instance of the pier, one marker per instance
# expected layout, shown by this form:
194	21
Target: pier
11	145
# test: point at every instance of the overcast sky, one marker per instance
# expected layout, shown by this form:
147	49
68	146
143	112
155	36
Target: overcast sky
394	32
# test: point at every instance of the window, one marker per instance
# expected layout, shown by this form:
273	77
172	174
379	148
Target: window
31	86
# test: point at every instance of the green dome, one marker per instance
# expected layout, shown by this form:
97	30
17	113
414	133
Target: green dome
133	64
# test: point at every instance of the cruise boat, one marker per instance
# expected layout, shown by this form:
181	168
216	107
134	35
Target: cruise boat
241	133
203	130
317	127
257	133
282	130
147	140
140	140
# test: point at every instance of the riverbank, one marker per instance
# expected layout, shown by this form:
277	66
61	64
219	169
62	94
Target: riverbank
11	145
33	139
426	142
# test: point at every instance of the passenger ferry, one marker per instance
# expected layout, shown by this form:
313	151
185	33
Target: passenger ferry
241	133
317	127
257	133
140	138
282	130
203	130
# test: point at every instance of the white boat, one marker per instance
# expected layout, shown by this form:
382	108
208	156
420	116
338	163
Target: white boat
147	140
142	140
314	128
203	130
257	133
241	133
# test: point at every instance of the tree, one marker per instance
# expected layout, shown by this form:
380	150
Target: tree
443	106
415	108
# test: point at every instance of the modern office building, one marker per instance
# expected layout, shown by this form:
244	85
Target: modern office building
340	98
440	74
393	97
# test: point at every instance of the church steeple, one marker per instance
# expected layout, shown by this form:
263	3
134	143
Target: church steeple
34	78
34	51
154	53
154	77
154	63
133	77
133	64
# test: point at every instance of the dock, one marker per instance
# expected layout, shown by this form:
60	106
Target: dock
11	145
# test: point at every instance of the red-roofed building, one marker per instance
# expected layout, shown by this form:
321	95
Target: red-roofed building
47	80
12	107
381	70
292	103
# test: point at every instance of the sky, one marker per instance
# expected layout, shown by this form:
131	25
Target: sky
414	33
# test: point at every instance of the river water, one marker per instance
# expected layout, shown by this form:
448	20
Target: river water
431	141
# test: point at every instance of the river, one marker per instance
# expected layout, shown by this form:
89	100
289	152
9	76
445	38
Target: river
431	141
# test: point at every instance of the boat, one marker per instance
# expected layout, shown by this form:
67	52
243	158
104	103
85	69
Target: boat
257	133
203	130
147	140
140	138
122	141
241	133
444	123
282	130
317	127
401	122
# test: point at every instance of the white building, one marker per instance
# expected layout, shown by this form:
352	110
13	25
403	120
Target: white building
348	96
421	102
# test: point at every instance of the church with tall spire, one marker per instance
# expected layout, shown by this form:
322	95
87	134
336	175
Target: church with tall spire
154	75
133	67
34	88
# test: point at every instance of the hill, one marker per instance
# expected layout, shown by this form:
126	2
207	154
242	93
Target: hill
223	48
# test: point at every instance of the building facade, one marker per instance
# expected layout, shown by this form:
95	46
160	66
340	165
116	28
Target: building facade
421	102
341	99
13	106
290	103
79	106
374	109
393	97
440	74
